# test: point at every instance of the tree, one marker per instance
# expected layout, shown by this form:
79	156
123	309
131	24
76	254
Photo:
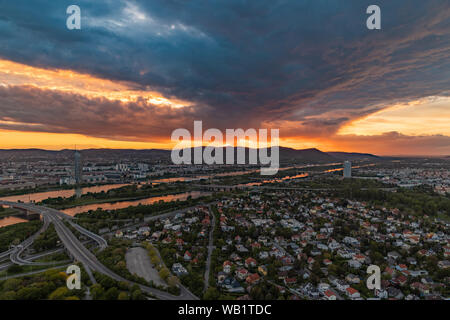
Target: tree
112	294
10	295
173	281
123	296
211	294
155	260
137	295
12	284
59	294
164	273
107	282
29	293
97	291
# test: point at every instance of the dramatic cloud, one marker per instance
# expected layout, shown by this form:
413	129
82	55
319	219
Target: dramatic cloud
28	108
309	67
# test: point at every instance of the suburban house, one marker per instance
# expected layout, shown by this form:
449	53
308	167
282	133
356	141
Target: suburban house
330	295
352	293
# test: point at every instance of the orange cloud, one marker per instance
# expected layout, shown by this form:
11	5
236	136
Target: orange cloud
421	117
17	74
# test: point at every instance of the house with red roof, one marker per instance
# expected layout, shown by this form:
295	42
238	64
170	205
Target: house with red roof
187	256
242	273
255	245
359	257
206	221
290	281
250	262
253	278
327	262
330	295
352	293
227	266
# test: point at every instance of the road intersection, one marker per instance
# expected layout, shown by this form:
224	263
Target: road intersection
79	252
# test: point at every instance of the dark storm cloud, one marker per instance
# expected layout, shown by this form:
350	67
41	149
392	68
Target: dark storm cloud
241	62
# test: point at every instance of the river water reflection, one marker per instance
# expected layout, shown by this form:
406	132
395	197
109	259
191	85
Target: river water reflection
124	204
39	196
10	221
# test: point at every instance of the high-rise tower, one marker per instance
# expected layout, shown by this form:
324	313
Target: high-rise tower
78	168
347	169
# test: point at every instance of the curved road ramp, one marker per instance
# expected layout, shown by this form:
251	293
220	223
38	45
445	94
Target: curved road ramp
80	253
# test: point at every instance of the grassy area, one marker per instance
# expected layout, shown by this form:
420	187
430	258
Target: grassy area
55	257
16	233
6	212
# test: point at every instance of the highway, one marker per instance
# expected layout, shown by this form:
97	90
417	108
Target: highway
5	254
98	239
33	257
45	211
19	249
80	253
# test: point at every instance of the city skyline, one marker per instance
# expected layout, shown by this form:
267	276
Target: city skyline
136	71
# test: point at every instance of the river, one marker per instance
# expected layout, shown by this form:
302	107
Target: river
7	221
124	204
39	196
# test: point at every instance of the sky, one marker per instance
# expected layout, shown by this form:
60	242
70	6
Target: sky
137	70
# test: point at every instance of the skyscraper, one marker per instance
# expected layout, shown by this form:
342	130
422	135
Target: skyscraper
347	169
78	168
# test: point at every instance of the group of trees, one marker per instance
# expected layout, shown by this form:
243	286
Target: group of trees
265	291
336	182
194	279
16	233
113	257
47	240
171	280
6	212
50	284
110	289
122	193
142	210
419	200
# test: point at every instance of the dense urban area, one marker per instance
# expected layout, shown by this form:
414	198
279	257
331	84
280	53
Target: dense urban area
142	228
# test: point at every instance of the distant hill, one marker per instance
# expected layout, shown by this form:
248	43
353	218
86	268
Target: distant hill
353	156
286	155
29	154
88	154
305	155
117	154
